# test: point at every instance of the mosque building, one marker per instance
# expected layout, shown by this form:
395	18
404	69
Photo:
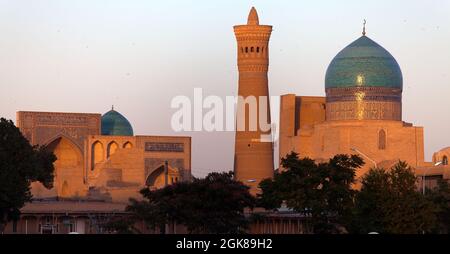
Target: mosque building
360	114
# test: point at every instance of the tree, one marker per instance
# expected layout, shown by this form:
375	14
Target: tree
20	165
212	205
389	202
121	225
322	191
440	197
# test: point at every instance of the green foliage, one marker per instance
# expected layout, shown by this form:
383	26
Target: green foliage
323	191
440	197
389	202
212	205
20	164
121	225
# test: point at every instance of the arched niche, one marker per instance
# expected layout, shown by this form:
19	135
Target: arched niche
67	152
97	154
157	179
112	147
68	165
127	145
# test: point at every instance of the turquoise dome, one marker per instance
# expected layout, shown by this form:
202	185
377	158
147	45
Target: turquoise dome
364	63
115	124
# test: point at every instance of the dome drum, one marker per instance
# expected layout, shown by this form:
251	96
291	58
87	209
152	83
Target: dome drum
364	110
368	93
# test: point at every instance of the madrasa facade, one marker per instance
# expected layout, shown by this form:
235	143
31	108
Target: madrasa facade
98	157
100	165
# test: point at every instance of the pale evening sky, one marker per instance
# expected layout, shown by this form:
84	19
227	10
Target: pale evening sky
84	56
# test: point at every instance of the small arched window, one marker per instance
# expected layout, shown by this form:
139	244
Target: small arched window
112	147
382	140
242	50
445	160
246	49
127	145
97	154
252	49
257	49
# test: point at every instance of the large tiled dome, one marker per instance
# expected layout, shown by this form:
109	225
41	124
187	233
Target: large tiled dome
115	124
364	63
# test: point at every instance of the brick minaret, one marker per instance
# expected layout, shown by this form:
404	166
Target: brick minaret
253	159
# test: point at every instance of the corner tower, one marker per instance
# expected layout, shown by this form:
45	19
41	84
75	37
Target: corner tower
253	159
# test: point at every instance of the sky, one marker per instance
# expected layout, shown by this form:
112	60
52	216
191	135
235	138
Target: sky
84	56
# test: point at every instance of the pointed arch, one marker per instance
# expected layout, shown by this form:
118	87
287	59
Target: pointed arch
97	153
111	149
58	137
151	179
157	178
68	165
127	145
67	152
